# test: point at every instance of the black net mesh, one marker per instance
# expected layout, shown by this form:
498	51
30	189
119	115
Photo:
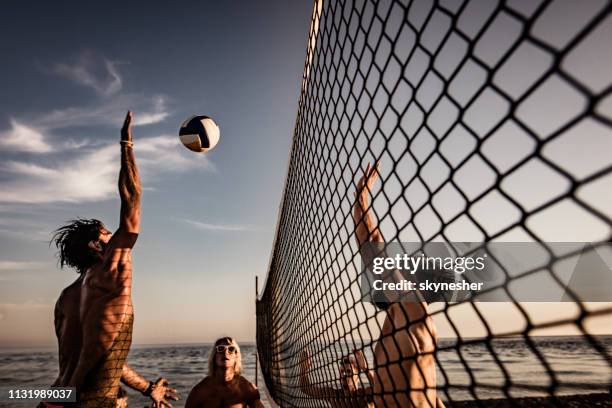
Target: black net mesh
490	121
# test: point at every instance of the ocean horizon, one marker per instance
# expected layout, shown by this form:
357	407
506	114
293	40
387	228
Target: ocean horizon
185	364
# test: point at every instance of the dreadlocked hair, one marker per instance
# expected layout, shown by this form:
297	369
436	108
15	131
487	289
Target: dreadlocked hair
72	241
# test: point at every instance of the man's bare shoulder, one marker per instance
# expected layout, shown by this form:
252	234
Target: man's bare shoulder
202	393
247	384
69	295
249	390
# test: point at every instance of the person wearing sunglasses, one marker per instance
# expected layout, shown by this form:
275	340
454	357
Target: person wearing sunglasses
224	386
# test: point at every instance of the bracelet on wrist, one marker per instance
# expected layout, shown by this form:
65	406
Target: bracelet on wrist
149	390
127	143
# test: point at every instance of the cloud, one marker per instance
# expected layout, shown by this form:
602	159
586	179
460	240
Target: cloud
87	177
158	113
23	138
110	112
161	154
25	306
24	228
35	134
218	227
19	265
35	236
68	169
92	175
8	267
92	71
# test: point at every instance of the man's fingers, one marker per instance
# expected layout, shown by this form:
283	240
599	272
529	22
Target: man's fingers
373	175
128	120
360	359
374	170
126	130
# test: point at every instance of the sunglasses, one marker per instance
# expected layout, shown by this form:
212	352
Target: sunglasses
221	349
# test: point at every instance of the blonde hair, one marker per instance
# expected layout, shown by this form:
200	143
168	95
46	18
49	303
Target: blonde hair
213	352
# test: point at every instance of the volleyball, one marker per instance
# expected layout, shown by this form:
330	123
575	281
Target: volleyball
199	134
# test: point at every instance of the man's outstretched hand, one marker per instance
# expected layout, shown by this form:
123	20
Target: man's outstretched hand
161	392
360	360
365	183
126	130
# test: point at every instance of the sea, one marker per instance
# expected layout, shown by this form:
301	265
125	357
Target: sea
497	369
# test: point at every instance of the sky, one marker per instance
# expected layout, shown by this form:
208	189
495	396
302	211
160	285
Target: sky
208	219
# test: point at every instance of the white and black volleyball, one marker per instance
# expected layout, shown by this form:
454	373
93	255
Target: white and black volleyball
199	133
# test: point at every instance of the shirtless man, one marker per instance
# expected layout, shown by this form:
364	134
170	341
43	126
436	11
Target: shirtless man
224	386
404	372
94	315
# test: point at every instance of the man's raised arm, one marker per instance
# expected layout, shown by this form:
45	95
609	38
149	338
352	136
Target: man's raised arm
129	187
366	229
408	337
106	291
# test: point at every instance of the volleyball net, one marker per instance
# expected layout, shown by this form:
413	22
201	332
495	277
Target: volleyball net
492	122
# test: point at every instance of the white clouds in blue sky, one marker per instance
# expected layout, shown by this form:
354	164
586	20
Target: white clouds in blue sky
65	94
23	138
92	173
93	71
61	169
